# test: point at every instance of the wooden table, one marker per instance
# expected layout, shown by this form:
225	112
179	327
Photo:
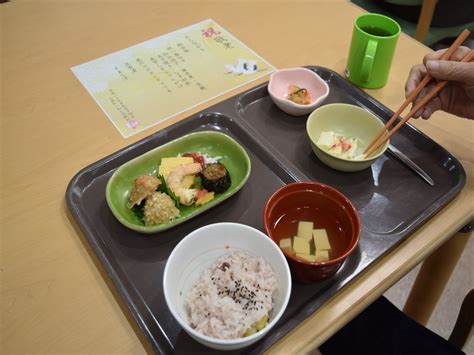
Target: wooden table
55	296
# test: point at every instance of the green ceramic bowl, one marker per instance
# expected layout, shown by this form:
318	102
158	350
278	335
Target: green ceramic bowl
215	144
352	122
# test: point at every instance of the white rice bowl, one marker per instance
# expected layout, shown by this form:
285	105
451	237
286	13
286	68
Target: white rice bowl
198	251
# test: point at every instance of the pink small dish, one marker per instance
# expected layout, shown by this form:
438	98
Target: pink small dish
304	78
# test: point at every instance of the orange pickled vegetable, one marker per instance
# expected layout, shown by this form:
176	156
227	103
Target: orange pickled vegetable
298	95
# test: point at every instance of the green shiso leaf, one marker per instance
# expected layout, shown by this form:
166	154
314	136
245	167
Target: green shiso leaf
138	211
162	187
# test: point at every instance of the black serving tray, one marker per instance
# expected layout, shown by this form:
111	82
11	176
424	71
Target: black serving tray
391	200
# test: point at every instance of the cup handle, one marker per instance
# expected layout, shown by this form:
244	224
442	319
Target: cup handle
368	61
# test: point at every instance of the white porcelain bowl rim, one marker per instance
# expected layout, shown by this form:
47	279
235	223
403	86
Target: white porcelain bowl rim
183	323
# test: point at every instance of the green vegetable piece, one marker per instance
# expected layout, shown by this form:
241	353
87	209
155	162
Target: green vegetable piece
138	210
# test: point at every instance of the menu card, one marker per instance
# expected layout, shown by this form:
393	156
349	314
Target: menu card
147	83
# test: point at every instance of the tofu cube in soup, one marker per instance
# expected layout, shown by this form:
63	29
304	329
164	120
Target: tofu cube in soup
305	230
301	246
307	257
322	255
321	240
285	245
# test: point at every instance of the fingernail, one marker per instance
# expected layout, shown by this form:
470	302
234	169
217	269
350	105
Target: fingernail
432	65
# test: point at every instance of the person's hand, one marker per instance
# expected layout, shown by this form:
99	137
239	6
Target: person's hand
458	96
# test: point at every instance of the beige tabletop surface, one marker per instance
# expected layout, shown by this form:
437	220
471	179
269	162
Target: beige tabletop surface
55	296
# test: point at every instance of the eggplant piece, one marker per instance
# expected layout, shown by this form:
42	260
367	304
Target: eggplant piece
216	178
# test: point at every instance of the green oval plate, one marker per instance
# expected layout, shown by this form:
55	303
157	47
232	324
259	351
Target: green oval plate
215	144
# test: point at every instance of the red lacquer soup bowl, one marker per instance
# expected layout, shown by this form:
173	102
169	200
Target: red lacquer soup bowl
327	209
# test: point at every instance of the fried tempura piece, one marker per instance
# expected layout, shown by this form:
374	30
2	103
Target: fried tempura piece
143	186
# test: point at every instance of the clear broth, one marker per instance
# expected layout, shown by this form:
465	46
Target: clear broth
286	226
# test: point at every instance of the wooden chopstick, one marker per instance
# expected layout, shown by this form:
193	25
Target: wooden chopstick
446	56
438	87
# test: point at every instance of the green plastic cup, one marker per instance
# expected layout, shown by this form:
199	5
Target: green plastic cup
373	44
